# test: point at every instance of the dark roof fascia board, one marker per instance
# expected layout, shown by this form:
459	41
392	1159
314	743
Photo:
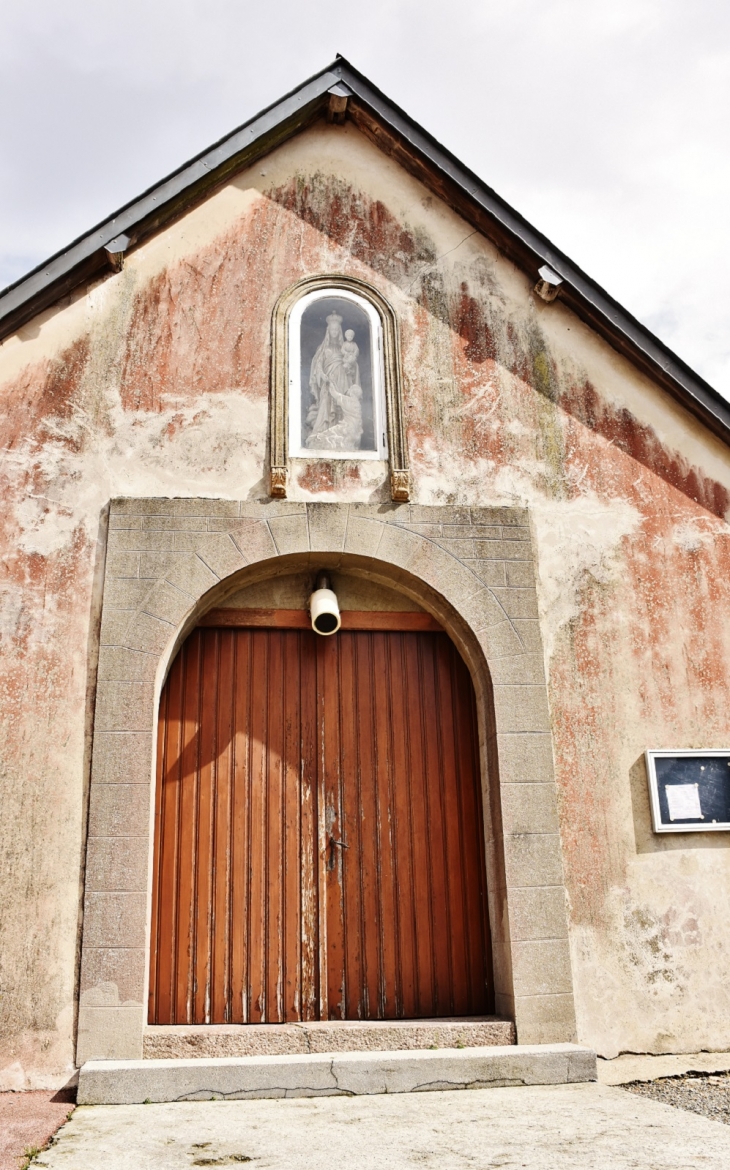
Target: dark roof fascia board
523	243
156	206
592	303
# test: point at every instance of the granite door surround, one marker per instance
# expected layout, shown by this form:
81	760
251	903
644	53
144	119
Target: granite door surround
170	560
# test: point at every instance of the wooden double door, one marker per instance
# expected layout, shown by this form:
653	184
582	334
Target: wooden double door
319	846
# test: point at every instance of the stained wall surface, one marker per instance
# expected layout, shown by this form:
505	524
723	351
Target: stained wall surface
155	382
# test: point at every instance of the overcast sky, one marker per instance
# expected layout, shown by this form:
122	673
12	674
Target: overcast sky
605	122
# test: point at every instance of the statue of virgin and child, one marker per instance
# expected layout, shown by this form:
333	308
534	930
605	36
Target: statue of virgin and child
335	416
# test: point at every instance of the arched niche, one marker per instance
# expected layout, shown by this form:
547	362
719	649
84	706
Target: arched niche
371	424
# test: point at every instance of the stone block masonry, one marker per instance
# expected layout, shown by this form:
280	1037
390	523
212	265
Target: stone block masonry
170	560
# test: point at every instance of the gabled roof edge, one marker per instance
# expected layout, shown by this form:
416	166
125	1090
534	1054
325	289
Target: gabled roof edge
526	246
85	255
582	294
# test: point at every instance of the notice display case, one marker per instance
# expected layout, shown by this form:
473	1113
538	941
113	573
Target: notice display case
689	791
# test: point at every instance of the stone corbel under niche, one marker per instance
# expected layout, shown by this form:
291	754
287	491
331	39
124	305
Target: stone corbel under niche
400	484
277	486
279	422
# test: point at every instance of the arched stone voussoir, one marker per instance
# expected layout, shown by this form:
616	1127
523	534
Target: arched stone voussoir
482	610
499	642
363	535
439	568
217	550
181	568
398	546
328	527
290	533
252	538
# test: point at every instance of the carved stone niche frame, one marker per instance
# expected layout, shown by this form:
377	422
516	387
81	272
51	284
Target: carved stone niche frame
279	414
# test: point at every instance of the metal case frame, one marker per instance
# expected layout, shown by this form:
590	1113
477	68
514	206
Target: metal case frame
660	826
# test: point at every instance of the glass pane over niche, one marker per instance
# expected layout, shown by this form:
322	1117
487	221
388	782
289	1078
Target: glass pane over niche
336	406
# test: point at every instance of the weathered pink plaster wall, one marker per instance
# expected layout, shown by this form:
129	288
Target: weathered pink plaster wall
155	381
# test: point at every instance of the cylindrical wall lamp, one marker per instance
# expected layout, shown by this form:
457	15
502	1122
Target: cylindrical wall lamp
323	607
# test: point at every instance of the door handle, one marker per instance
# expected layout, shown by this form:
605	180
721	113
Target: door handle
333	845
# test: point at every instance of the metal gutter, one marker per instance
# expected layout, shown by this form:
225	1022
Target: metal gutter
100	247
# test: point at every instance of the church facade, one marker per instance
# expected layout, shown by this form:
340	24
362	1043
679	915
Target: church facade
324	357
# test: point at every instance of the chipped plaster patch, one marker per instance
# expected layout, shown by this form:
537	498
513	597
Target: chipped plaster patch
210	447
444	475
698	532
13	1078
11	612
577	539
356	481
688	537
647	959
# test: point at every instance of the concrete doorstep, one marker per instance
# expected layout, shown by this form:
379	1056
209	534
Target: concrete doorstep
131	1082
163	1041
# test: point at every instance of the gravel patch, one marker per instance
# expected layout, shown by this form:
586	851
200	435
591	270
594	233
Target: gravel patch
708	1095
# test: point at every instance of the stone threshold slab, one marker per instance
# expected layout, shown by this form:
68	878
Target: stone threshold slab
217	1040
132	1082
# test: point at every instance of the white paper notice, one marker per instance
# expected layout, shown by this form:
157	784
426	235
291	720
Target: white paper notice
683	801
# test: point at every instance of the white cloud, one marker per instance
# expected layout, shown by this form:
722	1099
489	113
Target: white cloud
604	124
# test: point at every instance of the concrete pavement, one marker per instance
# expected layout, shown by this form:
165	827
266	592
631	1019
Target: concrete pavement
563	1127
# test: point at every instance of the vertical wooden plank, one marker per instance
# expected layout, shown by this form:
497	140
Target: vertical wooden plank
323	851
162	927
310	869
188	837
438	762
465	886
293	853
446	783
352	859
221	837
205	826
240	807
392	884
173	779
477	947
364	856
257	827
273	830
330	754
396	694
417	815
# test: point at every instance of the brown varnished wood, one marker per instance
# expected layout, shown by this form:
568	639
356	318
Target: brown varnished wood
335	828
318	830
220	975
240	820
255	910
298	619
309	993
